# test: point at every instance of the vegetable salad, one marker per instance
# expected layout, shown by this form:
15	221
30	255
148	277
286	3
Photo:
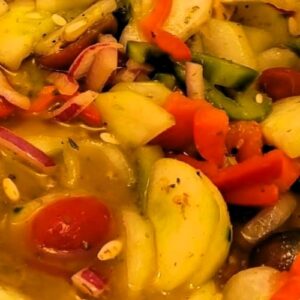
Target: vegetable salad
149	149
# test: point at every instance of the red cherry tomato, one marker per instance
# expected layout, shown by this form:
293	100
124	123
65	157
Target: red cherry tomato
280	83
71	224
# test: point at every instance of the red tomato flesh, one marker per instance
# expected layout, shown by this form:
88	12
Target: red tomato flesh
71	224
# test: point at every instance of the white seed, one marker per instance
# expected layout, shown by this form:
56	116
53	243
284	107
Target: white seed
58	20
109	138
11	190
259	98
73	30
110	250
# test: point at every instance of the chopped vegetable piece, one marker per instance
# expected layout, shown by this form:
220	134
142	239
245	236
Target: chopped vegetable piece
89	282
172	45
127	116
156	18
225	73
110	250
12	96
71	223
181	134
194	80
64	83
280	83
246	138
91	116
210	129
180	212
25	150
256	170
253	195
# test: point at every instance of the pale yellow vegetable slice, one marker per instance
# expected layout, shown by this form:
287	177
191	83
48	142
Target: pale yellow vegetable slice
140	251
133	118
155	91
218	249
282	127
184	213
228	40
59	5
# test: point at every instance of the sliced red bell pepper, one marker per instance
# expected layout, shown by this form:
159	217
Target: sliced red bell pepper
290	173
91	116
253	195
208	168
172	45
156	18
47	96
295	268
210	129
256	170
290	290
6	109
181	134
246	137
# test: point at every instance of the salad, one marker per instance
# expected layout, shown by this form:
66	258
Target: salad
149	149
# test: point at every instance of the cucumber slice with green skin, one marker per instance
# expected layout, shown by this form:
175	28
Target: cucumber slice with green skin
225	73
168	80
127	117
145	158
184	214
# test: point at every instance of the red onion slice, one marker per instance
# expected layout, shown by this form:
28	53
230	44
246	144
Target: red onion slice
194	81
104	64
64	83
74	106
89	282
25	150
84	60
12	96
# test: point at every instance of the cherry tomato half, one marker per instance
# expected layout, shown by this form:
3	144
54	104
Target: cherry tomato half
72	223
280	83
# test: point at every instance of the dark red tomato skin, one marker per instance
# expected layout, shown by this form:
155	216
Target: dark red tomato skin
279	83
70	224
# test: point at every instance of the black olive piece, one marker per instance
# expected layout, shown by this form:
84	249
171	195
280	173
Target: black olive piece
277	251
296	187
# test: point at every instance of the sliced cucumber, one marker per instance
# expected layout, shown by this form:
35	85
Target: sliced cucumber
133	118
258	38
184	214
154	91
146	157
228	40
225	73
264	16
140	251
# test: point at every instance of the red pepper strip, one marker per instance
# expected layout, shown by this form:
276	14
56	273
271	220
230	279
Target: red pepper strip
172	45
91	116
181	134
48	96
208	168
210	129
156	18
290	290
254	195
256	170
6	109
45	98
246	137
290	173
295	268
